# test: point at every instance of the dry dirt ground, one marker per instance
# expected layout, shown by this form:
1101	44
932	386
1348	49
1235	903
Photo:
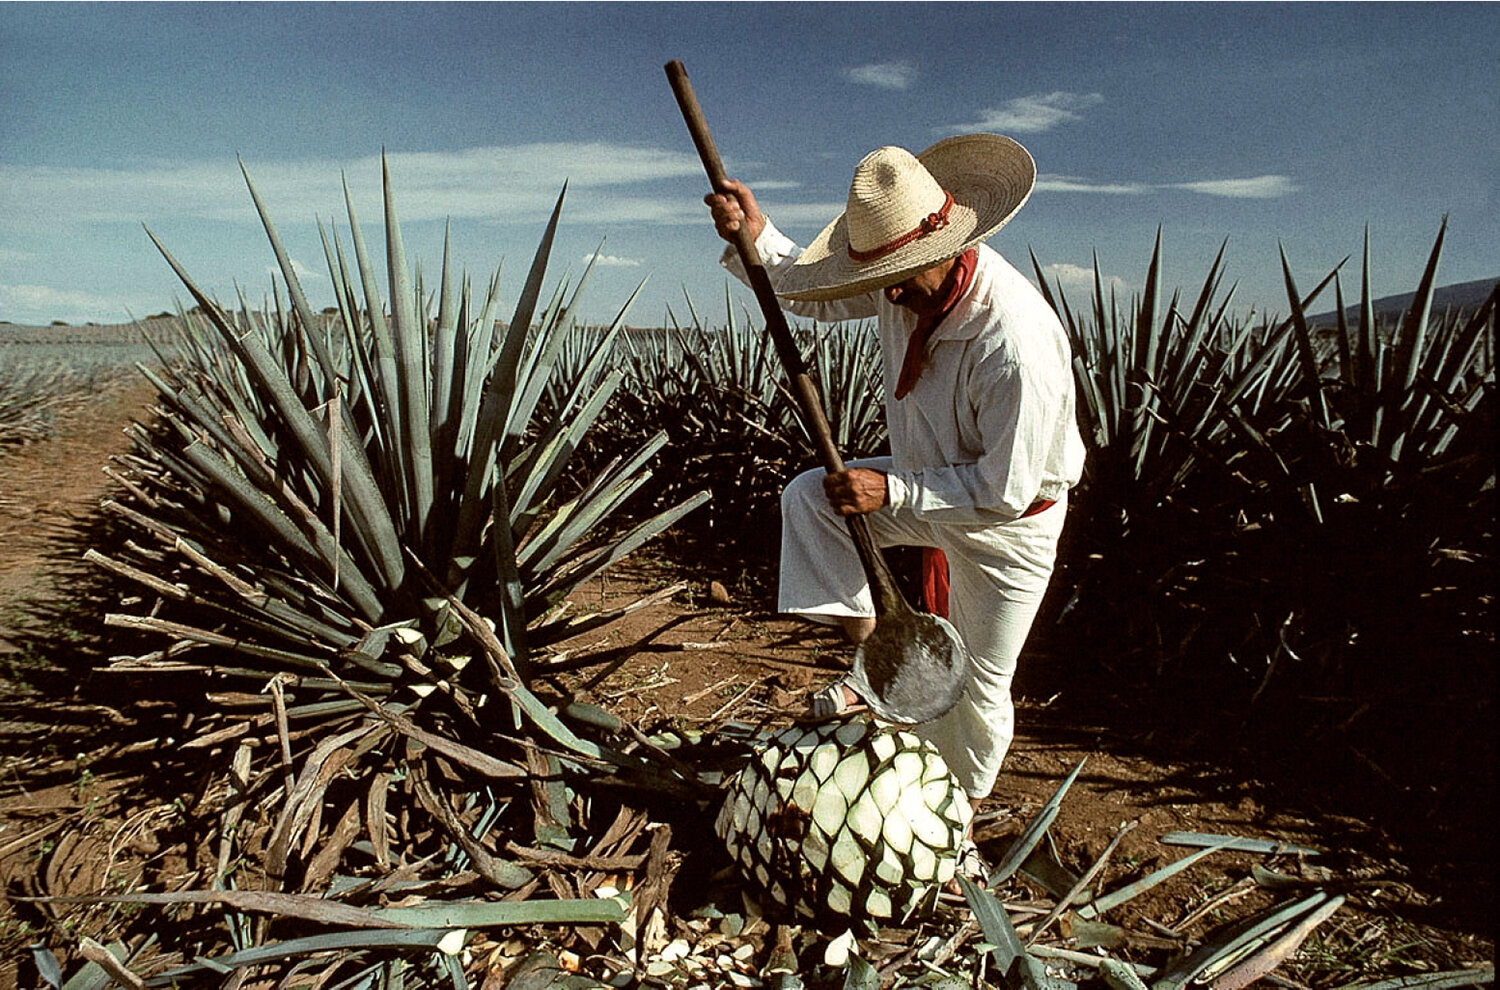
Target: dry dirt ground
80	807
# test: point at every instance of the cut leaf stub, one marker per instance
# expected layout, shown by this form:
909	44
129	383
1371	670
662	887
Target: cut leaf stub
848	819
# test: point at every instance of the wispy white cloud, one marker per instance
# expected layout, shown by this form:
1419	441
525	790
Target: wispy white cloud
1077	281
1259	187
12	256
1067	183
1032	114
612	261
883	75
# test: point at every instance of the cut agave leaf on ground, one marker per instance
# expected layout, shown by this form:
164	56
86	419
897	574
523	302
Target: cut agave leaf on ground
1032	836
1231	942
1478	976
496	914
860	975
1260	963
1100	905
1013	962
296	948
1273	847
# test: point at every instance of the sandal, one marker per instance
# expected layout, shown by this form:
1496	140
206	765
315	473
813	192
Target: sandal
833	702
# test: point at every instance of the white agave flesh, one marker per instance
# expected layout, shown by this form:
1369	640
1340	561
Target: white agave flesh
936	768
885	790
925	823
823	760
828	810
896	832
923	863
908	767
851	775
847	858
883	746
805	791
764	848
723	821
947	866
890	868
741	812
865	818
761	793
878	903
839	898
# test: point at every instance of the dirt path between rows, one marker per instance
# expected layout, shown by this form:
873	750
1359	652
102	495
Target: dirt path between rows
64	830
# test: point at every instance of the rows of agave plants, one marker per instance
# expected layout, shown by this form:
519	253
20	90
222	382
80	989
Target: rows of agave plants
34	393
362	533
1292	527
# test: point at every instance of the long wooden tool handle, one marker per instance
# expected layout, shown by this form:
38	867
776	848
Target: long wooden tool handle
887	593
786	348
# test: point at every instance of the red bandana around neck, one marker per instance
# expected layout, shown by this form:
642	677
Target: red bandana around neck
916	346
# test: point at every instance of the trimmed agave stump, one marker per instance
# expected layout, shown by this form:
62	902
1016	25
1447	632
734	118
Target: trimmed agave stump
846	819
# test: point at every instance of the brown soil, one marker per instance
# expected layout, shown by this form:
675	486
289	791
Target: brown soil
74	821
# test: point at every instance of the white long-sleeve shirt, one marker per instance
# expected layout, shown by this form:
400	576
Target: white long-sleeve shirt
990	426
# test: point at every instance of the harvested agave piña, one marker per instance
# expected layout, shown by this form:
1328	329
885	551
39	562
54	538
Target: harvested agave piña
849	819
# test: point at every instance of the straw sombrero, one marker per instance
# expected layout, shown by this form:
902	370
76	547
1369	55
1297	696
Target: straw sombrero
908	212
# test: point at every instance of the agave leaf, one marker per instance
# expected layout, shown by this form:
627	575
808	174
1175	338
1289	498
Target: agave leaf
1271	847
1256	966
494	409
495	914
1414	323
1099	906
314	543
389	399
552	459
411	362
600	561
1035	830
1015	964
1147	339
444	338
1311	374
603	351
295	948
1478	976
371	518
305	317
860	975
512	592
1231	942
575	518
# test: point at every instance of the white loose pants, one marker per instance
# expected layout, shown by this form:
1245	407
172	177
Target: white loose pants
998	574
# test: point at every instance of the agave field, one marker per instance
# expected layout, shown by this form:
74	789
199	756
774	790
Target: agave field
367	597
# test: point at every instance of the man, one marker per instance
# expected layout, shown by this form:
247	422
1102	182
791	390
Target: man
979	406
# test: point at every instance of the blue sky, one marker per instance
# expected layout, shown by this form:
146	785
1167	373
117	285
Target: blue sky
1267	124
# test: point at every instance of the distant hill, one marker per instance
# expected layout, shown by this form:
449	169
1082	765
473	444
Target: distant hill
1467	296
